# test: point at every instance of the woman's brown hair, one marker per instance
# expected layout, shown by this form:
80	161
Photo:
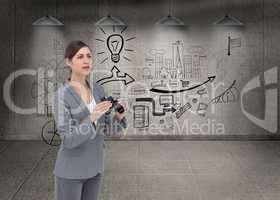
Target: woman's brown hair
71	50
73	47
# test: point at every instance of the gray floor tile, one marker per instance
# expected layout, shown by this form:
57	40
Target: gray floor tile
151	170
227	186
164	167
214	167
17	162
231	195
267	184
116	150
164	182
116	166
161	150
24	151
116	183
271	196
169	195
40	185
128	195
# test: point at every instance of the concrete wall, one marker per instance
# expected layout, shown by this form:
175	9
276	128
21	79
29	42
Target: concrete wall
163	58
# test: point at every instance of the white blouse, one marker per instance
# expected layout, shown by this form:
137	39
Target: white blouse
91	106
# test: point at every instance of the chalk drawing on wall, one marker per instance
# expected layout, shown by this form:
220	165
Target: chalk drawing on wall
202	109
116	75
179	66
141	116
115	45
159	83
270	86
210	79
233	43
185	83
229	95
49	133
151	100
182	110
147	74
166	100
194	100
201	92
59	47
137	90
46	83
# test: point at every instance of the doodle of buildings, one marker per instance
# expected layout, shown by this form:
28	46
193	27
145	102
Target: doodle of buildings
177	56
180	66
158	63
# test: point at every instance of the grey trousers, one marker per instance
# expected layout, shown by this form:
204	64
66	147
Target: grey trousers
77	189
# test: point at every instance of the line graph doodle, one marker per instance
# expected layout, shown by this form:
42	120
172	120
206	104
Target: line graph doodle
116	76
210	79
229	95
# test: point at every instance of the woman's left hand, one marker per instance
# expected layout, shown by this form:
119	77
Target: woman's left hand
120	116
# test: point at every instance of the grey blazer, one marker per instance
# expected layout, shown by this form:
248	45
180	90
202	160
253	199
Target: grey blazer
80	154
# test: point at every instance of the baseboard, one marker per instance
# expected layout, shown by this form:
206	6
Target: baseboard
166	137
198	137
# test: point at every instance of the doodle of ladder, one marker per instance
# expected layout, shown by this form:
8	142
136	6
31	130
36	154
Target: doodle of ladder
269	122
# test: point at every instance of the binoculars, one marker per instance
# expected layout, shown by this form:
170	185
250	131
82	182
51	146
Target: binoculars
115	104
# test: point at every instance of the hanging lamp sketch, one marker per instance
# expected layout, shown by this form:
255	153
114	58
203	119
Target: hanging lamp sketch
170	19
228	20
110	20
48	20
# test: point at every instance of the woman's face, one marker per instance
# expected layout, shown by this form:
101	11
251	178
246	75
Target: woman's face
81	63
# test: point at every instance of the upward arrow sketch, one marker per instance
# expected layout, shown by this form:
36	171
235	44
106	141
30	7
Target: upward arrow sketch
116	76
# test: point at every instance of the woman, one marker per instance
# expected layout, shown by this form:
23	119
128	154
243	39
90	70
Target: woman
82	119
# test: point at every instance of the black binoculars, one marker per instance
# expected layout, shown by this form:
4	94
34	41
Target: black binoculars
115	104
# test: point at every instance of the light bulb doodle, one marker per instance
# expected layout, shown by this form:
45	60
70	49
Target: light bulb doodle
115	45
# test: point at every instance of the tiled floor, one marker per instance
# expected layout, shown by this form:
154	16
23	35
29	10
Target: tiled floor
153	170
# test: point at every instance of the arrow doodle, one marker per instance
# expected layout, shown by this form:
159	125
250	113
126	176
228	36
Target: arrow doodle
154	106
169	109
210	79
116	76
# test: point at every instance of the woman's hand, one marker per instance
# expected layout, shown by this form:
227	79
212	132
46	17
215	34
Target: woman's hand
120	116
100	109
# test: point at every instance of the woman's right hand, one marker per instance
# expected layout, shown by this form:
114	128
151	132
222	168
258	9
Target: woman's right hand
100	109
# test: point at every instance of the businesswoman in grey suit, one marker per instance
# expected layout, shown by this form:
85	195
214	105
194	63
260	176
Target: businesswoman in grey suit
82	120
